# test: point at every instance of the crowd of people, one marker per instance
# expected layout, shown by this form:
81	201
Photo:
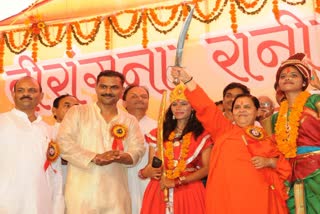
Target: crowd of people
242	154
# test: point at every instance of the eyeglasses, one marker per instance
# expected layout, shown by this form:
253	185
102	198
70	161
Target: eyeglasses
265	104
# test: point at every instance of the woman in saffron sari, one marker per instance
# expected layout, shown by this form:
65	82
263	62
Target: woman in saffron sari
246	171
296	127
187	149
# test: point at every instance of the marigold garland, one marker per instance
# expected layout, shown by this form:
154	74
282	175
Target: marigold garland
131	27
36	26
45	40
166	30
287	139
213	15
233	17
275	9
295	2
115	28
317	6
69	50
173	172
249	8
144	30
11	43
35	48
154	16
90	37
1	52
107	34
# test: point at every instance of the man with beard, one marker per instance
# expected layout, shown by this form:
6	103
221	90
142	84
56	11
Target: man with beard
136	101
100	141
25	186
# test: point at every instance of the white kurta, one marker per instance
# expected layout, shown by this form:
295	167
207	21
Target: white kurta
57	178
90	188
24	185
137	185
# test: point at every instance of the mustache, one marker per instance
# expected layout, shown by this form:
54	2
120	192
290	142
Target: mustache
139	102
107	95
25	97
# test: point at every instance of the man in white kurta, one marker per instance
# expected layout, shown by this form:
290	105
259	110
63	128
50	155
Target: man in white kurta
25	186
85	137
136	101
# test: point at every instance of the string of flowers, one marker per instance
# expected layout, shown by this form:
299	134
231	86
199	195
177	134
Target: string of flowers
275	9
173	171
295	2
1	52
44	37
233	16
90	37
317	6
35	48
132	28
69	50
287	126
213	15
248	8
155	21
167	30
36	26
144	30
11	43
107	33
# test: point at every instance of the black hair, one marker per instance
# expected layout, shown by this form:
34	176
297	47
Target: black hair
245	89
129	87
56	101
193	125
253	98
111	73
219	102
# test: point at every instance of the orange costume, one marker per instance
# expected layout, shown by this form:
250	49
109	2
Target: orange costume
234	185
187	198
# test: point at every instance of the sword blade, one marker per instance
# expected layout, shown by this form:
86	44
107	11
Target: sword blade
182	38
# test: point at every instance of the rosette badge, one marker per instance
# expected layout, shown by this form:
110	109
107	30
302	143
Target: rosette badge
119	132
53	153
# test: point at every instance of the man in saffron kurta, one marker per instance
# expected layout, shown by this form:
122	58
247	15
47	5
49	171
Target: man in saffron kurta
100	141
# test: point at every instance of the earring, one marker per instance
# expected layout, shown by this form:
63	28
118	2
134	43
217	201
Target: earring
173	117
192	114
303	84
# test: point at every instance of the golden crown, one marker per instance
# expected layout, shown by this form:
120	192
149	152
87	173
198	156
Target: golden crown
178	93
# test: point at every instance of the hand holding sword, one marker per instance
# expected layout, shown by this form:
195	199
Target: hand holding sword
180	44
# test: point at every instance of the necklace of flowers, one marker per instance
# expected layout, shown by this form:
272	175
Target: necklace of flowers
173	172
287	139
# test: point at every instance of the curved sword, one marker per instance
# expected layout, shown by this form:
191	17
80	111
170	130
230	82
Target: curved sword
180	44
182	38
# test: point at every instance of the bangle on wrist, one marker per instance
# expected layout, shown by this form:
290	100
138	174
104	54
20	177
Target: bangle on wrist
191	78
141	175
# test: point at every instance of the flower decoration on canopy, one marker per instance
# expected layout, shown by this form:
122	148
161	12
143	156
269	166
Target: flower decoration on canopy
49	35
35	24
